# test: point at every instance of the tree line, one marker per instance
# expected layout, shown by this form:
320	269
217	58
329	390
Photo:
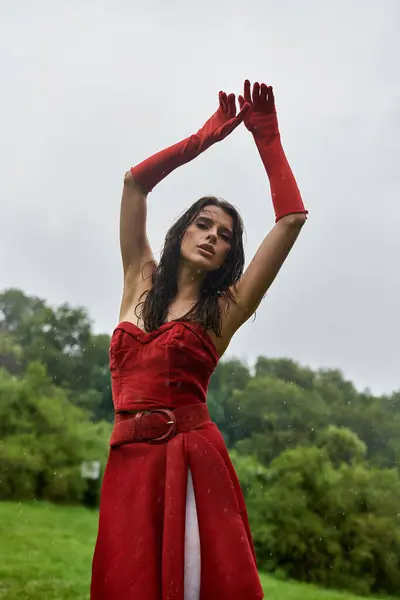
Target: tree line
317	459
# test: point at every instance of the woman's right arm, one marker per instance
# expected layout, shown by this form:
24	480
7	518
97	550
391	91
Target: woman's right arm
137	258
135	248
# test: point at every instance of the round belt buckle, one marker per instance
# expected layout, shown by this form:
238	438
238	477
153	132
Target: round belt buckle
171	422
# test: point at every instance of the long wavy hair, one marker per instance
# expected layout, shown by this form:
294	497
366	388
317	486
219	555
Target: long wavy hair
153	310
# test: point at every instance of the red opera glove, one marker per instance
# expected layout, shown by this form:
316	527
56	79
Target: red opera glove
154	169
262	121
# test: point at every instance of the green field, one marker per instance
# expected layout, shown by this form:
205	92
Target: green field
46	552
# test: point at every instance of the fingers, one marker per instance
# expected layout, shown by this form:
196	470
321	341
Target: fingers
227	104
264	92
247	91
223	101
256	93
231	105
260	95
271	97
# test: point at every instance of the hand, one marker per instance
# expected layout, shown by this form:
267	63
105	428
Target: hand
223	121
154	169
262	118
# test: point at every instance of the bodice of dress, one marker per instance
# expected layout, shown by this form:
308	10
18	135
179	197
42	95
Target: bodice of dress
168	367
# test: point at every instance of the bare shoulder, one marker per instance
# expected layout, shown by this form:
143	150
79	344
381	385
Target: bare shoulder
222	342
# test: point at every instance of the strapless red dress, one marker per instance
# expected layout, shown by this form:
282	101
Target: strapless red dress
140	552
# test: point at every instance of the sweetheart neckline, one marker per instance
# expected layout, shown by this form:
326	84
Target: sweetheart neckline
189	324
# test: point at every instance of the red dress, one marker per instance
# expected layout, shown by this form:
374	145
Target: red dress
139	552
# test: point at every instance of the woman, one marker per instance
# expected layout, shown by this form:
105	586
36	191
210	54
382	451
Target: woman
173	523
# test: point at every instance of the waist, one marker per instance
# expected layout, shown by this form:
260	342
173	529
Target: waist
157	425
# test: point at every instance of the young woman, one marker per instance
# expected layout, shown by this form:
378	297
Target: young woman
173	523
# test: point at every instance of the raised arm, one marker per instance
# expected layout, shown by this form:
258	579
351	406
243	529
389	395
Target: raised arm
290	214
135	248
134	244
142	178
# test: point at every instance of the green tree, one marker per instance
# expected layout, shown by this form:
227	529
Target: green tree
11	353
45	439
286	370
229	376
275	415
337	527
61	339
341	445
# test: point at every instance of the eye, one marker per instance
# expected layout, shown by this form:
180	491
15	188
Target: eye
201	225
225	237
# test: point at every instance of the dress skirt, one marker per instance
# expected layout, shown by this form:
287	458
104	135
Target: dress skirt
173	524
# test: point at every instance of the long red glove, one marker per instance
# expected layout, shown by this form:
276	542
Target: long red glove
262	121
154	169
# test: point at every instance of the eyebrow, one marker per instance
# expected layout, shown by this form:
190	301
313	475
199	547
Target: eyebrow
210	221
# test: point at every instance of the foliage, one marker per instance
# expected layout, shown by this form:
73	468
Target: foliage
333	526
61	339
45	439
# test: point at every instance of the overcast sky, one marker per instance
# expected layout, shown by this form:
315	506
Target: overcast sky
90	88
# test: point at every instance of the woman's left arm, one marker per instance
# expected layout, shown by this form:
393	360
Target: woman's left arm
290	213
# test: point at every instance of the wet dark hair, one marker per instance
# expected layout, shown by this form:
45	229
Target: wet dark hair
216	285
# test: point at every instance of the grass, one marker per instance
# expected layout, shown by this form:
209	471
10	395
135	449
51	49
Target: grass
46	554
46	551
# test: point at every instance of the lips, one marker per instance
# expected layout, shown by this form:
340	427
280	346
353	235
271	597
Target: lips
208	248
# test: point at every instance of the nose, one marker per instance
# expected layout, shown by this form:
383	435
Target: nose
212	237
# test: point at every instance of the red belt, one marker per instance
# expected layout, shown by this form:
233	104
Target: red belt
158	425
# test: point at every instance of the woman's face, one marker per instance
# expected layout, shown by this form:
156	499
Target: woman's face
207	240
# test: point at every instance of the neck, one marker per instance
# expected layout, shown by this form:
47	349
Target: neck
189	282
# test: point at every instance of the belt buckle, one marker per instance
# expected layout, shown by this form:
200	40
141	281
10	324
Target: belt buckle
171	422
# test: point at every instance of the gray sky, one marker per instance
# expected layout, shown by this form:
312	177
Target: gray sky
91	88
